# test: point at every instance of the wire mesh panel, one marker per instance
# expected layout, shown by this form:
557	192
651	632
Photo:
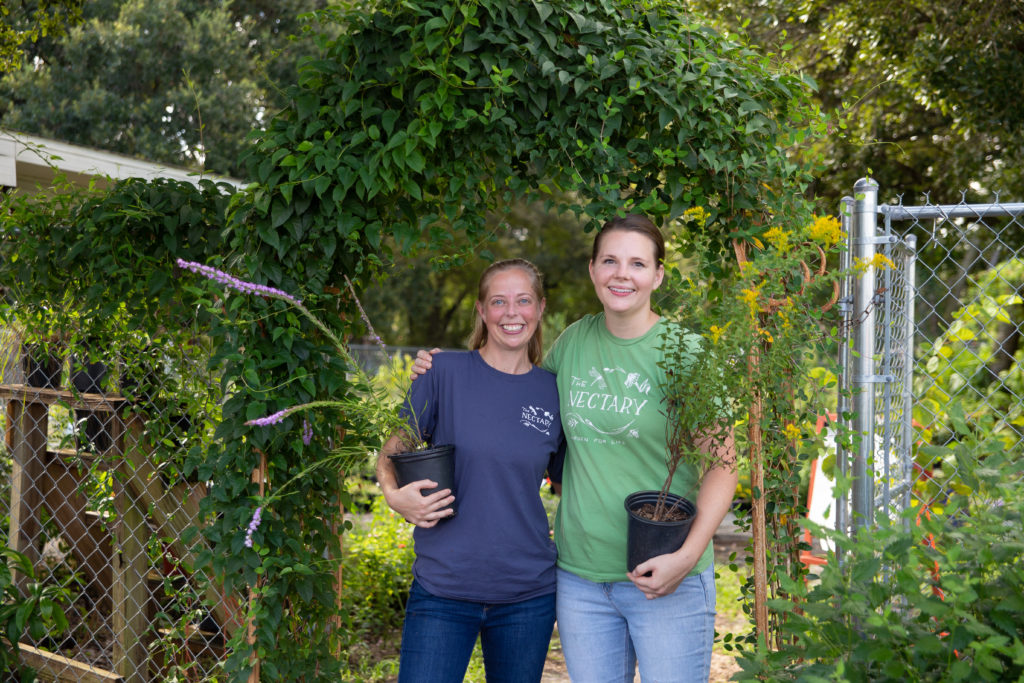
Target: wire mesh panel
96	435
893	344
970	276
948	284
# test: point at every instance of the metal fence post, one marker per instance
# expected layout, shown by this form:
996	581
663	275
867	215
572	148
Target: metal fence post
843	403
907	469
864	227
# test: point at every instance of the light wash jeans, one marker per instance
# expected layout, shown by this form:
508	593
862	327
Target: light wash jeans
606	627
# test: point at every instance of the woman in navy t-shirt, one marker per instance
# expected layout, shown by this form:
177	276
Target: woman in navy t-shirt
490	570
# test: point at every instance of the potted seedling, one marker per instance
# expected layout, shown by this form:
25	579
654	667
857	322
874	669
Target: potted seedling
420	459
709	326
699	433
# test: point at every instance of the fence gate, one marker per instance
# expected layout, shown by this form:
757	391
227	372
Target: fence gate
933	316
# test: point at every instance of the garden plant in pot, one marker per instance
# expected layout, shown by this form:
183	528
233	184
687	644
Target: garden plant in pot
368	397
699	438
418	458
703	388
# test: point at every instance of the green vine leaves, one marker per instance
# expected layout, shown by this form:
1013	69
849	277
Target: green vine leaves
424	116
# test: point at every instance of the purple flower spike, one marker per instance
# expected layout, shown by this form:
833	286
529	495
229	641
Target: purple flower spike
254	524
307	432
233	282
268	420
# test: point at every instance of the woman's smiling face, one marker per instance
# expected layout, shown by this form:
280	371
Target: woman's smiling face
511	310
625	272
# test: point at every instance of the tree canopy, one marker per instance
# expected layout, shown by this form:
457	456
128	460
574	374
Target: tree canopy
930	89
24	22
177	81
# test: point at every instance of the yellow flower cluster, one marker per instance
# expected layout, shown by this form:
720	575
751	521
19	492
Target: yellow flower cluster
825	230
696	214
878	261
749	296
717	332
784	311
778	238
791	432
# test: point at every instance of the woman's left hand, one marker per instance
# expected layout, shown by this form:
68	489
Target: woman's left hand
666	573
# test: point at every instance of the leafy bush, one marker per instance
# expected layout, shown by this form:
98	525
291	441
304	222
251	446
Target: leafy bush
927	597
39	613
378	570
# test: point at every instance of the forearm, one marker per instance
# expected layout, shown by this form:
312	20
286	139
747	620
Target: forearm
713	502
385	468
716	491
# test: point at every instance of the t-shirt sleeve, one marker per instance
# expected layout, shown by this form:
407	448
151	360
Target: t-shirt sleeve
421	401
556	354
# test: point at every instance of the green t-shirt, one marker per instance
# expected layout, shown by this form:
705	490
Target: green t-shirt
612	415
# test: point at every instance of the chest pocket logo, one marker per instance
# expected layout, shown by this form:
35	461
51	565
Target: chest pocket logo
537	418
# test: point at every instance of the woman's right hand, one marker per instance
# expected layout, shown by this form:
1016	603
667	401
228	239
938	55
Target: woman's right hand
423	511
424	361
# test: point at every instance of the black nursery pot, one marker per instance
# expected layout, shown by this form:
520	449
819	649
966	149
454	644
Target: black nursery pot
42	367
87	377
92	434
646	538
436	464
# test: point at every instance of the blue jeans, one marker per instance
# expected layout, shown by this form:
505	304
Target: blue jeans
606	627
439	636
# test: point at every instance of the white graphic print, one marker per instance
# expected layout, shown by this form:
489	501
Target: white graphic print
576	418
633	380
537	418
594	396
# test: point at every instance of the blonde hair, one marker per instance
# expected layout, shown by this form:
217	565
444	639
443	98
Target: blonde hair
535	347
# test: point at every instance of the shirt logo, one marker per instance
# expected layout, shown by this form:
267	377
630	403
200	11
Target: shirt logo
593	395
537	418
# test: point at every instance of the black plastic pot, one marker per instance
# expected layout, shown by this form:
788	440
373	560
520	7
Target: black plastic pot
436	464
87	377
646	538
42	367
91	433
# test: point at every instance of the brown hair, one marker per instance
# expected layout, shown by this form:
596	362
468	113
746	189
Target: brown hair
535	347
632	222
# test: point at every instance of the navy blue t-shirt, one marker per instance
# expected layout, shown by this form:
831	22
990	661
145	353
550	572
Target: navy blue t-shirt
507	433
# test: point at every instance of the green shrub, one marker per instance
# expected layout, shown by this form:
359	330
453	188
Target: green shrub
378	570
38	612
931	596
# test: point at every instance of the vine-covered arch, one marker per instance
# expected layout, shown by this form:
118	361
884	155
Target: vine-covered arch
418	120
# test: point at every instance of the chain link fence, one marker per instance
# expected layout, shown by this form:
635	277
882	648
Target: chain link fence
934	315
94	494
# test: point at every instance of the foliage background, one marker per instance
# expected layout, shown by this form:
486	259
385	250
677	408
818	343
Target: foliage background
455	126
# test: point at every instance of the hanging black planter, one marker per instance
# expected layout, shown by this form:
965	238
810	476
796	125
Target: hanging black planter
436	464
646	538
42	365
